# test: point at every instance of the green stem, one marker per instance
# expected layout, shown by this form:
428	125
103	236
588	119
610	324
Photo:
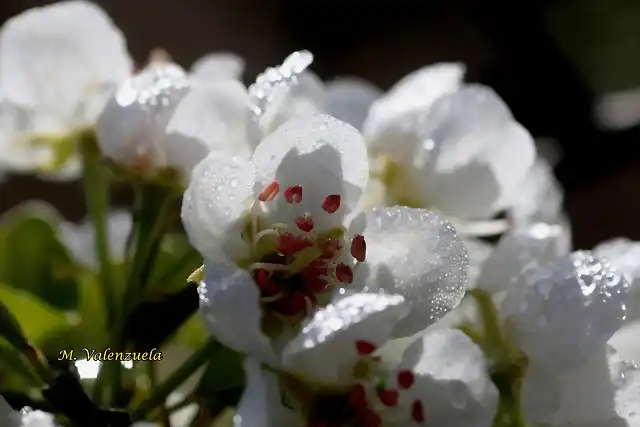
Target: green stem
153	380
96	187
174	269
197	360
495	342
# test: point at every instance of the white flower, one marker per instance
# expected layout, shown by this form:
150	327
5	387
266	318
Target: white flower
624	255
214	67
333	374
58	65
559	316
449	146
25	418
80	238
133	129
276	242
349	99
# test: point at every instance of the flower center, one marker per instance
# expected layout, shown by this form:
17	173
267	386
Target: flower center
293	264
377	397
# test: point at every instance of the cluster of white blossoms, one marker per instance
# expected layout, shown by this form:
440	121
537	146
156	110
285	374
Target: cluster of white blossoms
342	233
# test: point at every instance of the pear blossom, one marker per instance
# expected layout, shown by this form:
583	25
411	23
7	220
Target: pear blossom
449	146
278	240
80	238
334	375
216	66
25	418
624	254
58	65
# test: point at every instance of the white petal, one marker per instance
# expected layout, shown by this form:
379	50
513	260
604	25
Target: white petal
32	418
184	152
541	393
287	91
218	66
474	155
417	254
349	99
80	239
539	197
415	92
325	349
230	306
478	252
625	341
567	310
8	417
52	56
601	392
220	192
323	155
520	252
220	115
451	380
132	128
624	255
261	403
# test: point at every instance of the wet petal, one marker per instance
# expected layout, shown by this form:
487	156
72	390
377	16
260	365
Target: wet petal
414	93
417	254
478	252
326	348
8	417
323	155
261	402
132	128
184	152
349	99
474	156
541	393
220	192
220	115
624	255
539	197
567	310
451	380
218	66
52	56
520	252
230	306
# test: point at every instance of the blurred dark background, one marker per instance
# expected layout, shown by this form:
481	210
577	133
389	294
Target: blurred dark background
550	60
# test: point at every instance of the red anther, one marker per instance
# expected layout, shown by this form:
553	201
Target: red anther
331	203
359	248
291	304
368	418
293	194
405	379
417	412
331	247
270	192
288	244
364	347
388	397
312	277
344	273
305	223
356	397
265	283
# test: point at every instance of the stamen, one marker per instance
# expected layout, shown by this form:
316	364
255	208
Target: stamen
364	348
417	412
267	266
293	194
368	418
270	192
405	379
344	274
288	244
331	203
305	223
291	304
263	279
358	248
330	248
388	397
356	397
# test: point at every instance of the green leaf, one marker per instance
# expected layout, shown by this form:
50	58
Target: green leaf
176	261
224	372
35	316
192	333
33	259
15	372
